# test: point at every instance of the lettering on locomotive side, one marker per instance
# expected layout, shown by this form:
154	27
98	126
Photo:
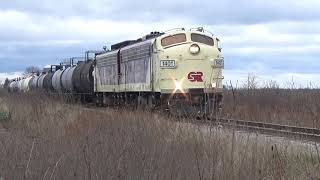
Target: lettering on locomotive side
195	76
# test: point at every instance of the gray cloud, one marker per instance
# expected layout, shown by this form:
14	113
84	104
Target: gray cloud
18	57
204	12
262	36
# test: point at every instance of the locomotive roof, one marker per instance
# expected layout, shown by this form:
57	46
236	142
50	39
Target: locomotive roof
154	35
125	47
122	44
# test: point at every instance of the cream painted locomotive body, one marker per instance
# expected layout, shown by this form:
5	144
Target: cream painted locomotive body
125	70
149	66
179	69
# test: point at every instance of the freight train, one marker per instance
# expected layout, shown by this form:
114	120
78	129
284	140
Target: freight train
178	70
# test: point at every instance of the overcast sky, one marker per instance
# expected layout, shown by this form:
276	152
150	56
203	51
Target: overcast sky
276	40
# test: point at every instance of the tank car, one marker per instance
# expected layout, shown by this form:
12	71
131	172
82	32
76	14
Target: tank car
25	83
48	79
40	81
56	80
16	86
47	82
30	82
66	80
82	79
180	70
76	76
20	83
34	83
12	86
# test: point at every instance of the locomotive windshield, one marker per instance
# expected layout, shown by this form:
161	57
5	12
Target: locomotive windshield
173	39
202	39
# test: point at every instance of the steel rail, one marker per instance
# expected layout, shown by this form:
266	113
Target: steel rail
271	128
254	126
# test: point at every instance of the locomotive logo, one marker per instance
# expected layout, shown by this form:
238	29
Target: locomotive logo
195	76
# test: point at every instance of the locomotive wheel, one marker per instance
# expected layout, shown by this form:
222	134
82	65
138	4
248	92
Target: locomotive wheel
205	107
99	99
144	103
183	109
212	108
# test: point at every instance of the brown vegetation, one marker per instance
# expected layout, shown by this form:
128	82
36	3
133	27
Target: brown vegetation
48	139
297	107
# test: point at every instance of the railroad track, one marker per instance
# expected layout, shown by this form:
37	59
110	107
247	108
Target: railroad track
274	129
310	134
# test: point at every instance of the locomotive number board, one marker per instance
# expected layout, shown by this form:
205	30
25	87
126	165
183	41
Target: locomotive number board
168	63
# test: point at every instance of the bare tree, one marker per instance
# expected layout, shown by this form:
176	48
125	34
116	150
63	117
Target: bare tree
32	69
6	83
271	84
252	82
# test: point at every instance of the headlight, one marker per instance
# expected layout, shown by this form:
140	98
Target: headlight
178	85
194	49
213	84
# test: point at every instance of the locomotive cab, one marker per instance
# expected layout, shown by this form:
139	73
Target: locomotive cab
190	67
189	60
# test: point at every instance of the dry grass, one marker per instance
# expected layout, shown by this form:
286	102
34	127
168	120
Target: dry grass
48	139
299	107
